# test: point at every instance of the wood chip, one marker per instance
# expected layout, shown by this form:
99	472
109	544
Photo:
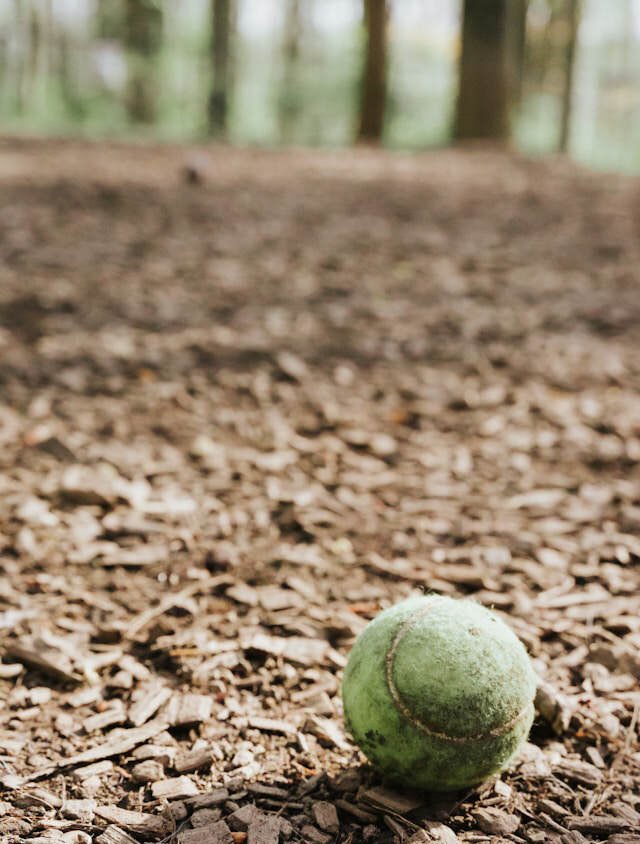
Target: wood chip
84	697
204	817
83	810
11	670
147	705
325	816
140	555
148	770
264	829
554	707
116	745
272	725
50	662
572	837
162	753
496	821
115	835
242	593
312	835
140	823
578	771
189	761
185	710
391	801
552	808
242	817
273	598
102	720
271	791
357	811
327	731
292	365
216	797
600	824
136	625
217	833
624	810
440	833
174	789
295	649
95	770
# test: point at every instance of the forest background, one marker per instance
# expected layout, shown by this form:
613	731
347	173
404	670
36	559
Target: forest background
283	72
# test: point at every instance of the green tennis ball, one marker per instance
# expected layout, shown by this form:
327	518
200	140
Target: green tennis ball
438	693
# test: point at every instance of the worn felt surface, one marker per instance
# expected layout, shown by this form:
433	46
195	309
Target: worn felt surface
438	693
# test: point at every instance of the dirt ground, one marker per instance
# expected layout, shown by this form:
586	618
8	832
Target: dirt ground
248	399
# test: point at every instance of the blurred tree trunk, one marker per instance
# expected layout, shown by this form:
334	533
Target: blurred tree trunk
108	19
289	102
33	56
573	20
517	34
482	107
628	43
4	62
374	75
142	38
222	62
68	72
45	59
65	70
18	56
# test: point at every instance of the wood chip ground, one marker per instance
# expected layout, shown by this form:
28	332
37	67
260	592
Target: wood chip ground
239	418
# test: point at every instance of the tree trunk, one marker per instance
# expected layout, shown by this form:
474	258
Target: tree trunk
108	20
34	56
374	76
482	107
289	102
69	73
517	34
142	37
18	54
221	56
573	18
5	67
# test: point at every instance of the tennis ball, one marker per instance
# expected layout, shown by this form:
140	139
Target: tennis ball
438	693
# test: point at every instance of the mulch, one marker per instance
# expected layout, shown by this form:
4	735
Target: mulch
247	400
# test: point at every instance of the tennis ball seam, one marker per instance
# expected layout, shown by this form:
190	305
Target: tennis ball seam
404	628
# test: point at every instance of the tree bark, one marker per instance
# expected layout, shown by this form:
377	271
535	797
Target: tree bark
482	107
573	19
142	37
289	102
374	75
221	59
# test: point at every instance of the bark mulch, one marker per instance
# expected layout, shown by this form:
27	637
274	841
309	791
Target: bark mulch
248	399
